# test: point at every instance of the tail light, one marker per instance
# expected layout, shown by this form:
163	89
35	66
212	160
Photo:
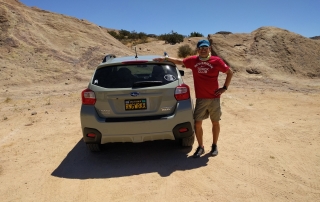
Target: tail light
182	92
88	97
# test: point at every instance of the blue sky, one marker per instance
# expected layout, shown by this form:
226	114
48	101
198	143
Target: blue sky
185	16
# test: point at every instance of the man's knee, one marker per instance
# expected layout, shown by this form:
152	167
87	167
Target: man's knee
198	124
215	123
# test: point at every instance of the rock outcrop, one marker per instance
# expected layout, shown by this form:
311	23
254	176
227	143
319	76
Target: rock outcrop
269	50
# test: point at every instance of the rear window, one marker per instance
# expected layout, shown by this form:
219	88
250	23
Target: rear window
134	75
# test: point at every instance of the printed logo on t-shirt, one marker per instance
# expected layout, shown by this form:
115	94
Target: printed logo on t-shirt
203	70
203	67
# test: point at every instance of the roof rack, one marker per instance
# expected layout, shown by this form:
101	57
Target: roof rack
108	57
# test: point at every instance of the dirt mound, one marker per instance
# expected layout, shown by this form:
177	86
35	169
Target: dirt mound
37	45
269	51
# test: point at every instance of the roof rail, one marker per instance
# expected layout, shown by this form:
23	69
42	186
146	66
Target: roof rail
108	57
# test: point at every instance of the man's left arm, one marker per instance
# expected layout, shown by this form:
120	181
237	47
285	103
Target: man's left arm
228	78
226	83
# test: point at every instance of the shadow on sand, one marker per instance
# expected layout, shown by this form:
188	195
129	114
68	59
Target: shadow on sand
127	159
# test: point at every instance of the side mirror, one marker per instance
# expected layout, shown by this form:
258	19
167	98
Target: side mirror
181	72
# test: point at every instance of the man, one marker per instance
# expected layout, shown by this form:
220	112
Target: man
205	69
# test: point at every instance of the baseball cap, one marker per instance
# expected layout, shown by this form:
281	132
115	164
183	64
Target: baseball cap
202	43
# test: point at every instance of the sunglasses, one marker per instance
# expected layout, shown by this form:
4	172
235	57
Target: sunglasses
203	48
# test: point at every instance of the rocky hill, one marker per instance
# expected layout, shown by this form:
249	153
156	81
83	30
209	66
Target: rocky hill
269	51
37	45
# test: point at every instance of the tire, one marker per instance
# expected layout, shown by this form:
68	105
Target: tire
188	141
94	147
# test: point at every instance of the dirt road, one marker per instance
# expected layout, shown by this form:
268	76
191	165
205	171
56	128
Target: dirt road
268	150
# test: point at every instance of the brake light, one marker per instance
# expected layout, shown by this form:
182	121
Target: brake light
135	62
182	92
88	97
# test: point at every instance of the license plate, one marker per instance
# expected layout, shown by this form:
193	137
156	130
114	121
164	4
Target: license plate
136	104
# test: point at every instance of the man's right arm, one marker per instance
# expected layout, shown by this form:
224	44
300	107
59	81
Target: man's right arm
176	61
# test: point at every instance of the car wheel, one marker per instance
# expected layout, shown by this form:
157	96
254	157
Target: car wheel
188	141
94	147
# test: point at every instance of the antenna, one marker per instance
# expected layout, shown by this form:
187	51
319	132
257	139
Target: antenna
135	49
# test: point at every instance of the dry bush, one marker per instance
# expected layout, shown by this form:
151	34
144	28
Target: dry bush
185	51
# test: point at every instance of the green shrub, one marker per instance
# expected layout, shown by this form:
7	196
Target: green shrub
196	34
315	37
114	34
185	51
224	32
125	35
171	38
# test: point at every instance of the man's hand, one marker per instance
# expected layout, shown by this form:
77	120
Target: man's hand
159	59
219	91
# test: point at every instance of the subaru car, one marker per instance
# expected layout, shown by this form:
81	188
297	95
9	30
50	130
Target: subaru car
135	99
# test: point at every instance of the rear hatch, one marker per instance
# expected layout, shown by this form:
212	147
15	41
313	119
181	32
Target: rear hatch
135	90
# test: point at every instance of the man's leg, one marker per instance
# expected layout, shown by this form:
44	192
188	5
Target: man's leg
215	131
215	136
199	132
199	135
200	113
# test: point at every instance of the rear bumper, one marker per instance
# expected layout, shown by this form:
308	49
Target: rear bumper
137	131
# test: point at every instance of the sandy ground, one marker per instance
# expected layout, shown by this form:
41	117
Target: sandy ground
268	149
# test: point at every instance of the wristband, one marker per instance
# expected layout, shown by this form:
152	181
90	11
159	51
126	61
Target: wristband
225	87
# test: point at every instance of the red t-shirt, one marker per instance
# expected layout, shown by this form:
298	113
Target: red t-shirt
205	75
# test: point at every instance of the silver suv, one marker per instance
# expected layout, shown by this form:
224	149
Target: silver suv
135	99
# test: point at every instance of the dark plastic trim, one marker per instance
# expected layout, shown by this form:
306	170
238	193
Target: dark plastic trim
89	140
179	135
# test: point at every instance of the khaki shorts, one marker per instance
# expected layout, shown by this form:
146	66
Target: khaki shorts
206	107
